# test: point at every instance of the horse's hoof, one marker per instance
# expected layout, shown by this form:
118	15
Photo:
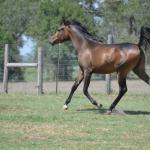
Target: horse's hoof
108	112
65	107
100	106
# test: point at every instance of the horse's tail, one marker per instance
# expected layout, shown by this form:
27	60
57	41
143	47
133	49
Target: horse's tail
144	37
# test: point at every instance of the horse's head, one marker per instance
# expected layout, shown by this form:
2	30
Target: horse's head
61	34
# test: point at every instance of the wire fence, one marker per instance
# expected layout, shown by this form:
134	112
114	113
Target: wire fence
58	72
56	69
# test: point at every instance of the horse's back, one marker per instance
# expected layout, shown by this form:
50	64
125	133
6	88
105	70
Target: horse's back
128	46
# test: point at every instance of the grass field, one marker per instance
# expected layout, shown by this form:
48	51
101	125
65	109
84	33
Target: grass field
31	122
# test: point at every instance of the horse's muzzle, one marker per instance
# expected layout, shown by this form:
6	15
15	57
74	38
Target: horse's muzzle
52	42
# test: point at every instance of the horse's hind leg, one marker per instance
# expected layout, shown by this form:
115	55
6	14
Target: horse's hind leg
73	89
122	91
85	89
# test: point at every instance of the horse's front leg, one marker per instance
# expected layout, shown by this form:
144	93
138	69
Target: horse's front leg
85	89
73	89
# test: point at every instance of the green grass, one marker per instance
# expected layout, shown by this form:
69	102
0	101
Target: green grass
31	122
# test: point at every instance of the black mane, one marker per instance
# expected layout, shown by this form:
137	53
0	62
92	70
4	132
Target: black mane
82	29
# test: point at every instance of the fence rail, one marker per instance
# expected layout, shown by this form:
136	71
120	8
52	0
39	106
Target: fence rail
22	64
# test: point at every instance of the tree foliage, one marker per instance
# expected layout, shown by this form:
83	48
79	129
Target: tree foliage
14	19
50	13
123	17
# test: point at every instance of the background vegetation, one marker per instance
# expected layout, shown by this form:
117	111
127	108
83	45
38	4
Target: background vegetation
38	19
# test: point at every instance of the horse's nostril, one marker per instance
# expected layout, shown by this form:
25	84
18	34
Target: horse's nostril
51	42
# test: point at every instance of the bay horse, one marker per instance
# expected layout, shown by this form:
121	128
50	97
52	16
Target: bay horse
96	57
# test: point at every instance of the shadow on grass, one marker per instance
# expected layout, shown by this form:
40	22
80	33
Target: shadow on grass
95	110
138	112
115	112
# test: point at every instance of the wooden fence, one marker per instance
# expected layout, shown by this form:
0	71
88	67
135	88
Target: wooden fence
38	65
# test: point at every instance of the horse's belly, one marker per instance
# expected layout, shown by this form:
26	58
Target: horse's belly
105	69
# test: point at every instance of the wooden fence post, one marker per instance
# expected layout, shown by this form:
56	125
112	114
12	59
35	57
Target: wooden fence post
5	74
40	72
57	69
108	76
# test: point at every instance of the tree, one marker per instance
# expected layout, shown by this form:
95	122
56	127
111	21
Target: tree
14	20
119	16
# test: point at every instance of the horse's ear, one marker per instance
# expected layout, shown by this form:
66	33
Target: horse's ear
65	22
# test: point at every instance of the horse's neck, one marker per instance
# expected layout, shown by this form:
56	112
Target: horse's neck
78	41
